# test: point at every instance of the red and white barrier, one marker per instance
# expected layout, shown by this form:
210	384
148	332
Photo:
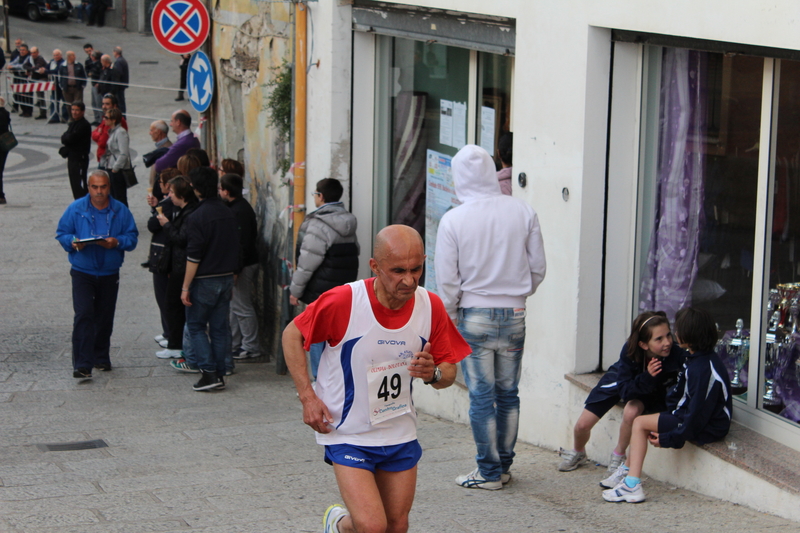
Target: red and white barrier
33	87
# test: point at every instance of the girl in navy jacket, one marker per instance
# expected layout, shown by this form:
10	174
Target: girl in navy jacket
699	406
648	366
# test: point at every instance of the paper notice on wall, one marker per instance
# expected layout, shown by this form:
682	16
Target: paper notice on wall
446	123
459	125
487	129
440	197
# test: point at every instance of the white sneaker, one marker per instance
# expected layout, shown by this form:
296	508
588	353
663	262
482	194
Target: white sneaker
505	478
622	493
570	460
169	354
330	520
163	343
615	478
614	461
474	480
158	338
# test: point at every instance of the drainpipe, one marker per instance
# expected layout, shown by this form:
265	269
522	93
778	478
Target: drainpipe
300	70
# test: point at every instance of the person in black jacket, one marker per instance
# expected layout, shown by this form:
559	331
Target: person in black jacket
648	365
159	253
212	257
5	123
699	406
107	81
244	322
77	141
121	69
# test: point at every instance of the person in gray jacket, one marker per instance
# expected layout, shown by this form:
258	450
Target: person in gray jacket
327	252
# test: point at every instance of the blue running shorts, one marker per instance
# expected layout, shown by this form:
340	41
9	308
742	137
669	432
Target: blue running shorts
397	458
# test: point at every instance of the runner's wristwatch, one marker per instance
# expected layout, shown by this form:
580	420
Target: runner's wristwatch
437	375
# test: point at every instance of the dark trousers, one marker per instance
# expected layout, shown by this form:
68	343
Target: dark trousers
176	312
3	156
77	166
121	99
160	290
119	189
94	300
98	13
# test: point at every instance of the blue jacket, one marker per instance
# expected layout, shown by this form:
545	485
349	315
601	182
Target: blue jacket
701	401
630	380
76	222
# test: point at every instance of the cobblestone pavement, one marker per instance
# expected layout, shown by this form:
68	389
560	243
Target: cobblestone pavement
233	461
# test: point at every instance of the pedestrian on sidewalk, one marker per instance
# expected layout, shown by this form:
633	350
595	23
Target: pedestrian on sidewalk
56	95
327	252
95	231
489	259
123	77
243	319
72	77
212	257
77	141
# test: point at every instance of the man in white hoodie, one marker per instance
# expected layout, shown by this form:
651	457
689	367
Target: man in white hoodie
489	259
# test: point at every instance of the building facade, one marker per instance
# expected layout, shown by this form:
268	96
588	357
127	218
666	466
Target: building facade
659	145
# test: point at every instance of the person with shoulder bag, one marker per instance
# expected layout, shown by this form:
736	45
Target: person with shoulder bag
184	199
117	157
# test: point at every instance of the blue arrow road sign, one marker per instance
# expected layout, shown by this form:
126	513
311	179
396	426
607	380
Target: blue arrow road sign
200	85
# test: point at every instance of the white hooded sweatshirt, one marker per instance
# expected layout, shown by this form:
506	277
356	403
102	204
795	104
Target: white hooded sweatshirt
489	249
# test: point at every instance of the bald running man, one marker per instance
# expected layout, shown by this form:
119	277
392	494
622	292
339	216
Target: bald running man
380	334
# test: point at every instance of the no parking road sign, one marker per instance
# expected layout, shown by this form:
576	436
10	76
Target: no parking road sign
200	82
180	26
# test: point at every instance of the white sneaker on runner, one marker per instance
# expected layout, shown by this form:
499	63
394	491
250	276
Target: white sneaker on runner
333	514
616	478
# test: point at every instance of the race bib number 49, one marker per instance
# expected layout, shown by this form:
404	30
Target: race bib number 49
389	390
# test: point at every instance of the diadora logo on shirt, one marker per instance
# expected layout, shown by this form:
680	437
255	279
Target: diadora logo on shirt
392	342
354	459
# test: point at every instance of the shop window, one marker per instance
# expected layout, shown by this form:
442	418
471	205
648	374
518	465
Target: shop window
719	224
432	100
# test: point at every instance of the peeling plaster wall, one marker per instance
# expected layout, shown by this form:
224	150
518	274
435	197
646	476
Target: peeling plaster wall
249	39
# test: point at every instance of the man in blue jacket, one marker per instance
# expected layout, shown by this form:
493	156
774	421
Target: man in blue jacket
96	231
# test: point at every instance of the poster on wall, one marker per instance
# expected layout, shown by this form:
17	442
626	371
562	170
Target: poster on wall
440	198
453	123
487	129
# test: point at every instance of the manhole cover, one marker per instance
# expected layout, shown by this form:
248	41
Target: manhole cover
74	37
72	446
148	62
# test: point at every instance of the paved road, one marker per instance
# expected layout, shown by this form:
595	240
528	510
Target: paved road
233	461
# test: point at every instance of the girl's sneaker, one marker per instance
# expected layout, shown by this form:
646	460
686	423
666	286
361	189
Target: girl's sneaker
616	478
614	461
623	493
570	460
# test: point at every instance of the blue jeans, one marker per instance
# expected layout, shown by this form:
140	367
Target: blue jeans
94	300
314	355
492	372
211	301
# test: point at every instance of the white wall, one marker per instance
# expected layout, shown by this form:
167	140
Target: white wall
328	111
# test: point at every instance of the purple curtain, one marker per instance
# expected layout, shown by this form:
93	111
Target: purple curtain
672	257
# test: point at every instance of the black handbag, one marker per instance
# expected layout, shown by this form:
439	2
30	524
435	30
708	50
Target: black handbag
8	140
130	177
164	261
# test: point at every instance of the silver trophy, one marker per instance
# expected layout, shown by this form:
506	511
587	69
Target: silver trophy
739	352
776	340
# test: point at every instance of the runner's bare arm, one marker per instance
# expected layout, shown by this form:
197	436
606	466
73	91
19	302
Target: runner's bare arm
315	413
